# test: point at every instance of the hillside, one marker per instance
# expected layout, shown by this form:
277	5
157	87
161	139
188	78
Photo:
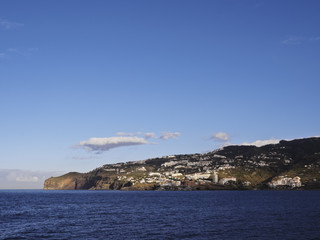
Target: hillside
288	165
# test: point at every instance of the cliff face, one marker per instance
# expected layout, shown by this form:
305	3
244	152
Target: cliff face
63	182
232	167
70	181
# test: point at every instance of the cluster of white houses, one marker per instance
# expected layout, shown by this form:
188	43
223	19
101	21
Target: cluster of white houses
199	169
282	181
174	178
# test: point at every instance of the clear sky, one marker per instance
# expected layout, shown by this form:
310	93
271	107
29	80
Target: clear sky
86	83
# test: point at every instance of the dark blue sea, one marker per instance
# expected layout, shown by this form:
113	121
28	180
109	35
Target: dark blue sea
37	214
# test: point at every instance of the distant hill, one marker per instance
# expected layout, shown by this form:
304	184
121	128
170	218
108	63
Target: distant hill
287	165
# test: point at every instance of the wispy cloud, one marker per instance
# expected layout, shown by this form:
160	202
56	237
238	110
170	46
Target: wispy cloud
128	134
313	39
8	53
99	145
293	40
13	52
23	179
84	158
6	24
221	136
297	40
168	135
122	139
149	135
260	143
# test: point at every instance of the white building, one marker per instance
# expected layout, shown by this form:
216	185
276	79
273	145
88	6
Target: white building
155	174
223	181
215	177
197	176
286	181
177	175
110	169
141	169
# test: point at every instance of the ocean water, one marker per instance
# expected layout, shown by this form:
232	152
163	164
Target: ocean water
38	214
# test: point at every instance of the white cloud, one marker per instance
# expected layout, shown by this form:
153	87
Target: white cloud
104	144
293	40
296	40
313	39
167	135
84	158
5	24
28	179
22	176
13	52
221	136
122	139
149	135
128	134
145	135
24	179
260	143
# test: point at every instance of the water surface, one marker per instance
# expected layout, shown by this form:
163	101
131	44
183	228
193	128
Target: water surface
37	214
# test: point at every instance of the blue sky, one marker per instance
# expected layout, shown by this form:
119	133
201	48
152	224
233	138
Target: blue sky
82	82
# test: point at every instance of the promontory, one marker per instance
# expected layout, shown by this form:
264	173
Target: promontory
291	164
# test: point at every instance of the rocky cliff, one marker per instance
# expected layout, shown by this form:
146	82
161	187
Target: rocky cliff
288	165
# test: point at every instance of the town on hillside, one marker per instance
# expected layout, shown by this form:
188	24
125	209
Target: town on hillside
287	165
179	172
